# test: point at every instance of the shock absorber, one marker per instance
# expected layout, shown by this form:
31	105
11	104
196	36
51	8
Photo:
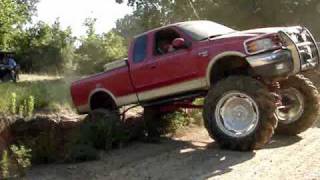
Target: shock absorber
275	85
274	89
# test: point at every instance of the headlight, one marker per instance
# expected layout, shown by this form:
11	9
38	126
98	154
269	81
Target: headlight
263	43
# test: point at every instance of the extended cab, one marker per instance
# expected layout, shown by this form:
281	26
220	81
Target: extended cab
249	79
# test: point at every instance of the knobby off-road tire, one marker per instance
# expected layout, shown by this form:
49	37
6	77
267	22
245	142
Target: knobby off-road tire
311	106
265	106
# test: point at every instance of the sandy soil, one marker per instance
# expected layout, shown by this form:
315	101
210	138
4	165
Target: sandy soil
196	156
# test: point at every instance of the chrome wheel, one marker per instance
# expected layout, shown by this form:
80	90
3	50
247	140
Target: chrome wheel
237	114
293	106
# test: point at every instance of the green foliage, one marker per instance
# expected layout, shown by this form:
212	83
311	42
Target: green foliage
97	50
51	49
13	14
99	133
14	162
22	155
13	104
25	98
5	165
30	106
45	48
41	134
25	109
21	110
248	13
171	122
174	121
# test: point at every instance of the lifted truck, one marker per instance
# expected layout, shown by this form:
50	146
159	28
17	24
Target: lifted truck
251	80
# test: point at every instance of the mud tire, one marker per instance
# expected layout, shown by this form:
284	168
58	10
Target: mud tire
312	108
266	106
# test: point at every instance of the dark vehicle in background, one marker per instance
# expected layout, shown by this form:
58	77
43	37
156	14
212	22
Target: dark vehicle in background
8	72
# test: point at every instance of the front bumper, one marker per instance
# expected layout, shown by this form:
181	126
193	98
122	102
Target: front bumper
299	54
272	64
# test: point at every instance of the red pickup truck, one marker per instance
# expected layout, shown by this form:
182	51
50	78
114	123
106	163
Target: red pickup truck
251	80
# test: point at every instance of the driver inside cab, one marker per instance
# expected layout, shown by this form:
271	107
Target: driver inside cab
165	47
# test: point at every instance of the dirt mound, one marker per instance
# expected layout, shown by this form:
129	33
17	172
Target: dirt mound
54	138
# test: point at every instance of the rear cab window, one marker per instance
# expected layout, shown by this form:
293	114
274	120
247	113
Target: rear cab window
140	49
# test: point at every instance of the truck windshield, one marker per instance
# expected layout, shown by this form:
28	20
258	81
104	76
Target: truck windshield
201	30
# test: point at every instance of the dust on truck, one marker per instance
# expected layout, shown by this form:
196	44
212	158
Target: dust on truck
251	80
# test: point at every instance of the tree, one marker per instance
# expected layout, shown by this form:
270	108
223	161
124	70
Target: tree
45	48
96	50
13	15
238	14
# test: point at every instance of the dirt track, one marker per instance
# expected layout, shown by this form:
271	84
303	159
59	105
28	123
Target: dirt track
196	156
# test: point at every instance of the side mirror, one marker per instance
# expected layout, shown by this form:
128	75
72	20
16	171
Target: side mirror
179	43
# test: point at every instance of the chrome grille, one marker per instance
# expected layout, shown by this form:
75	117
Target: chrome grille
307	47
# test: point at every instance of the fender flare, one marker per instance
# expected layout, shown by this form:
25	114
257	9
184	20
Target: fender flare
92	93
216	58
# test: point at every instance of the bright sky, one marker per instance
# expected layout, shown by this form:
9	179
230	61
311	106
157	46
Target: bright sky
74	12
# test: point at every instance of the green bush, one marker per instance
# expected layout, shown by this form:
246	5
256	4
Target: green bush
25	109
99	133
22	155
174	121
41	134
14	162
181	118
5	165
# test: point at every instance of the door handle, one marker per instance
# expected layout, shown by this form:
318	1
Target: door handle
204	53
152	66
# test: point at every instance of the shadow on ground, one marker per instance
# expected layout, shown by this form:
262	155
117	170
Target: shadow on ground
193	157
197	158
282	141
170	159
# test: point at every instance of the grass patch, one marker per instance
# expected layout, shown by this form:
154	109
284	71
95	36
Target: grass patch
50	95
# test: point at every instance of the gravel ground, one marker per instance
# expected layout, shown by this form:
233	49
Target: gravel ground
196	156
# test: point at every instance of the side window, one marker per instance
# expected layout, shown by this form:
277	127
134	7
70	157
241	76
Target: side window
140	49
163	41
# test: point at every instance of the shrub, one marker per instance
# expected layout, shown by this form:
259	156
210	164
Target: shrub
22	156
42	135
14	162
13	104
25	109
5	163
99	133
181	118
174	121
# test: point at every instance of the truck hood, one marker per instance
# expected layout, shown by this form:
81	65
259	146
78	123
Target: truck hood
255	32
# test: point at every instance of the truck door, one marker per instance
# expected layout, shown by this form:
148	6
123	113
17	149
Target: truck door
139	69
156	69
171	67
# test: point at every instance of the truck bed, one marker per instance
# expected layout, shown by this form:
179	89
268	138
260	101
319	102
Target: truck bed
115	80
